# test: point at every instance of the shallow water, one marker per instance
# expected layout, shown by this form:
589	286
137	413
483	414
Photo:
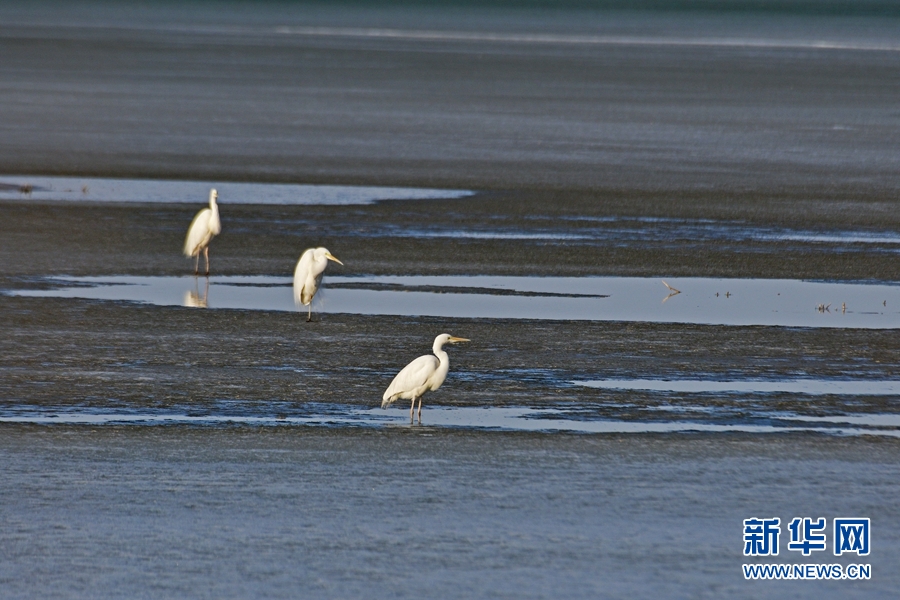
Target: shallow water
812	387
712	301
704	41
553	96
237	512
611	231
94	189
489	419
499	419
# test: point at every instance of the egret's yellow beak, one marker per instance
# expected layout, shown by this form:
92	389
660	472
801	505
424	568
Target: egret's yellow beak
330	256
454	340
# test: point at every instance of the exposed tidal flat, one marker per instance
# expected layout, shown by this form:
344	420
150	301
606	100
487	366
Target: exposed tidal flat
267	484
239	452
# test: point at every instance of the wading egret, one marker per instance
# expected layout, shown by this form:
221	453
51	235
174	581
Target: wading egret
308	276
424	374
203	228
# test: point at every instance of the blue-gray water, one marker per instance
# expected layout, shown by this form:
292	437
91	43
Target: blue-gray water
247	512
438	93
151	449
96	189
732	302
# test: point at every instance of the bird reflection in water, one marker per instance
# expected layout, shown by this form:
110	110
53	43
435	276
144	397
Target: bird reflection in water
193	299
672	292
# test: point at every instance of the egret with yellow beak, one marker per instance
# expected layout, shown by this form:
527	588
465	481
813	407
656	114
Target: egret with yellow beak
203	229
308	276
422	375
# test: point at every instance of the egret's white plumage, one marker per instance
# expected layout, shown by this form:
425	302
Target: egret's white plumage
422	375
308	276
204	227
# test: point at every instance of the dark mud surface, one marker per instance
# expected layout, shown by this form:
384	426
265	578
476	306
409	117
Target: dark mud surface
96	354
717	234
102	355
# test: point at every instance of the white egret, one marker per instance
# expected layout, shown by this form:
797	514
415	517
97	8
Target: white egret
203	228
308	276
424	374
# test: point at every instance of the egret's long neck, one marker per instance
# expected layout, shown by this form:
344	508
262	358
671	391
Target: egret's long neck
215	226
442	356
319	264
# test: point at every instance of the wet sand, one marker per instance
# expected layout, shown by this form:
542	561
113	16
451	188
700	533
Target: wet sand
99	239
769	137
61	352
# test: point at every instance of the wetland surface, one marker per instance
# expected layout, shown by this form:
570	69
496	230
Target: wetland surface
542	159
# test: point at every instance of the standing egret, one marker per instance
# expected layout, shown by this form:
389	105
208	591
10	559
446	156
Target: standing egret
424	374
203	228
308	276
